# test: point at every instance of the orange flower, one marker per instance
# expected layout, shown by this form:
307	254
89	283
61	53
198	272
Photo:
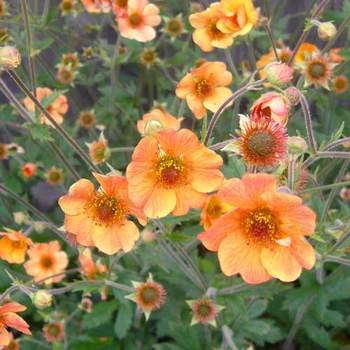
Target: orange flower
204	88
161	119
206	35
119	7
55	176
29	170
97	6
171	172
305	52
138	21
213	209
100	218
270	106
240	16
263	236
45	260
13	343
9	318
57	108
148	296
204	311
99	151
87	119
318	71
13	246
340	84
54	331
88	266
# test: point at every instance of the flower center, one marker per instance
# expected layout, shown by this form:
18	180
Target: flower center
260	225
284	57
53	330
261	143
214	31
203	88
317	70
149	295
122	3
135	19
3	151
170	171
215	208
67	5
18	244
340	83
106	210
46	262
174	26
204	309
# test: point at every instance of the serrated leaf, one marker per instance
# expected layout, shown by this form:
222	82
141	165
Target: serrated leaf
100	314
39	132
123	321
258	308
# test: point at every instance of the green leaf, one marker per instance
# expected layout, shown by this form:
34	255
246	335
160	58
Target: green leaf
257	308
256	327
47	100
39	132
123	321
100	314
40	45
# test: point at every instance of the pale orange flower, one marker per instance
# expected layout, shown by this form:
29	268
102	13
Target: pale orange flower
206	35
271	106
239	17
171	172
334	55
45	260
163	121
54	331
89	268
101	218
29	170
263	236
57	108
54	176
13	246
305	53
97	6
204	311
10	319
139	20
212	210
99	151
205	88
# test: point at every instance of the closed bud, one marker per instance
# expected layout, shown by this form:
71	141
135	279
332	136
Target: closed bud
293	95
326	31
152	127
10	58
42	299
296	145
279	73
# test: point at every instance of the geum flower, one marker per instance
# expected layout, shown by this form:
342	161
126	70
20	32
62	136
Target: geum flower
205	87
57	108
10	319
171	172
46	260
206	35
139	20
263	236
101	218
13	246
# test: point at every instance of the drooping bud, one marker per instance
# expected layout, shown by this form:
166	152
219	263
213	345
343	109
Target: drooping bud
326	31
10	58
293	95
296	145
279	73
42	299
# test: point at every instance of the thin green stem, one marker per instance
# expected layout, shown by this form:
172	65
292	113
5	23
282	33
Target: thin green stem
272	39
308	124
325	187
24	7
57	126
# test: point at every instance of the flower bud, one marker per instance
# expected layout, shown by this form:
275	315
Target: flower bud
326	30
345	194
42	299
10	58
29	170
39	226
293	95
152	127
20	218
279	73
148	235
296	145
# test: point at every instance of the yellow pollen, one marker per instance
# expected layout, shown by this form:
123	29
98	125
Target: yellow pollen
106	210
170	171
203	88
260	226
